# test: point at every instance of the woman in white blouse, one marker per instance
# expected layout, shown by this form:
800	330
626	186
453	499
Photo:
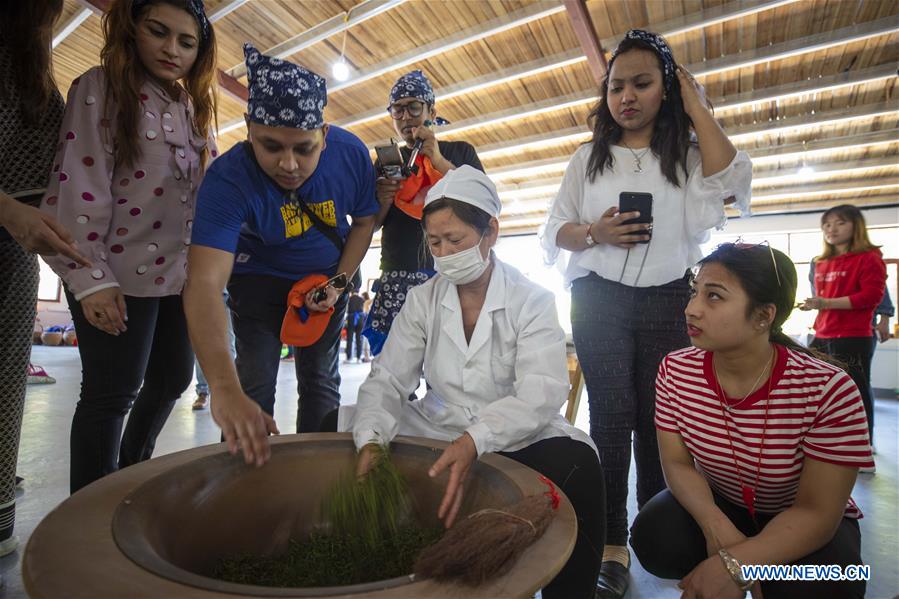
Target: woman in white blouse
628	281
489	345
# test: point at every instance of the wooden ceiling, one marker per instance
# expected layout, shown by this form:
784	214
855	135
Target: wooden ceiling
807	87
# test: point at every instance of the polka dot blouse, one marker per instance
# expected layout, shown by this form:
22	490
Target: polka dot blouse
133	223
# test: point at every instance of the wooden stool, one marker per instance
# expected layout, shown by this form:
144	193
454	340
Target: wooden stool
576	379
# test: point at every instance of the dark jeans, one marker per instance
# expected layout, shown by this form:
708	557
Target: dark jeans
856	354
574	469
621	334
145	369
669	544
257	305
354	322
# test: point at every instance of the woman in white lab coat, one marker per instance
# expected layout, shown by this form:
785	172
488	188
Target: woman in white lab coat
490	347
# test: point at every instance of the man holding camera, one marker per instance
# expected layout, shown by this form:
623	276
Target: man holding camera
404	262
275	210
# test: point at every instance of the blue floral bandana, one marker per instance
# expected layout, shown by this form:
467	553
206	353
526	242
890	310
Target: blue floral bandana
195	7
414	84
283	94
661	48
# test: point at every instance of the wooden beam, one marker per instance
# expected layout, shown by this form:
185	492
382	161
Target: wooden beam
785	153
528	69
583	27
98	7
358	14
695	20
225	9
532	12
757	96
804	45
232	87
71	25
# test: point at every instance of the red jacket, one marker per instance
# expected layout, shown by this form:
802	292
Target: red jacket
861	276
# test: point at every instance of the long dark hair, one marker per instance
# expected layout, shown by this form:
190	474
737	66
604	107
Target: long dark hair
755	269
860	241
27	31
125	75
670	135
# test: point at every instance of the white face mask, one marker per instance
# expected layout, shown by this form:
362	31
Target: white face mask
462	267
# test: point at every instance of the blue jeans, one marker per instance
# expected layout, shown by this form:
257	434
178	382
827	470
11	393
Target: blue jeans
257	306
202	383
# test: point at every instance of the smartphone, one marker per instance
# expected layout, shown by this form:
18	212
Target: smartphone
634	201
390	161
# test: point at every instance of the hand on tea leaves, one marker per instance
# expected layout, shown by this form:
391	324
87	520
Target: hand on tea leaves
368	457
458	457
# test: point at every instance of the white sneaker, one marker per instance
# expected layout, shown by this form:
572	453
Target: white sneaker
9	545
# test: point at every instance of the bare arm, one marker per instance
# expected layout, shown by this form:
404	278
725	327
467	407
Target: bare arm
386	190
608	229
357	244
809	523
239	417
37	231
692	491
715	147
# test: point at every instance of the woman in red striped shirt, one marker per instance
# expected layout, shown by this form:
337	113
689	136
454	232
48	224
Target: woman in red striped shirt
760	442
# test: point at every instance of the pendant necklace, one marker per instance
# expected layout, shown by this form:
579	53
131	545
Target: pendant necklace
638	166
749	493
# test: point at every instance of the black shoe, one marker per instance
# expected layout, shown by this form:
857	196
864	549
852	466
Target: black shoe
613	581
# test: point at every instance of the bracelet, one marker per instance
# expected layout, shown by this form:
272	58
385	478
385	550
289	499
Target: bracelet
733	568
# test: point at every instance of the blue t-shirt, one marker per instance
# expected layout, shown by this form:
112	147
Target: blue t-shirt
242	210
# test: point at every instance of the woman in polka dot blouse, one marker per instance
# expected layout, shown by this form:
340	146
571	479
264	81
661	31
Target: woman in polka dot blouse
134	143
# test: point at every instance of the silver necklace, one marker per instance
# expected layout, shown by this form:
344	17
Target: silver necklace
752	389
638	166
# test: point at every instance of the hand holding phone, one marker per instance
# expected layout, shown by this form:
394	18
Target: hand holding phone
627	224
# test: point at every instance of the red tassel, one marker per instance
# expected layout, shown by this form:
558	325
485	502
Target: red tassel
749	499
552	493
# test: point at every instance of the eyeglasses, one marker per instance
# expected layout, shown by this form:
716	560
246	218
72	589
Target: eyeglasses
745	246
338	282
413	109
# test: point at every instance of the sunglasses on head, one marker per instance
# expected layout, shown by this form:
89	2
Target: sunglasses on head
740	245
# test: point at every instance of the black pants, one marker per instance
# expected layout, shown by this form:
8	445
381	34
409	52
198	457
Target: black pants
573	468
354	323
669	544
621	334
18	299
145	369
856	354
257	305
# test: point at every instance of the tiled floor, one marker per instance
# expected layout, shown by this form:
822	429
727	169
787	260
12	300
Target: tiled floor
43	461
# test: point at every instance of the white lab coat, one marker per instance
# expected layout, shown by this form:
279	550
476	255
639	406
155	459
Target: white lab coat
505	388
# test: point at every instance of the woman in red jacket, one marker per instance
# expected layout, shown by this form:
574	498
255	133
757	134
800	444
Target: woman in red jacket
850	277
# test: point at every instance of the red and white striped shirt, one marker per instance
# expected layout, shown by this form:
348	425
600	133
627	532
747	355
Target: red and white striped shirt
814	410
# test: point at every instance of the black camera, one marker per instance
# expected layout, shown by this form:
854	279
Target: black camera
390	162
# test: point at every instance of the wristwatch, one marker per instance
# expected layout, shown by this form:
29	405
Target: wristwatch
733	568
589	238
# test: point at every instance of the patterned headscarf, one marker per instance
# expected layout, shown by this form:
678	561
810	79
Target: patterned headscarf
283	94
660	47
195	7
414	84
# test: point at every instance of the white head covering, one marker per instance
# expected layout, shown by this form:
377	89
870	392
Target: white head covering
467	184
